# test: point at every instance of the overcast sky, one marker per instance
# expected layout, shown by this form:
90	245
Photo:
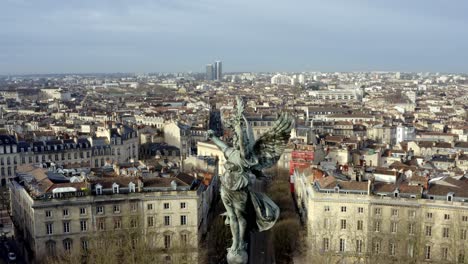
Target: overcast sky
63	36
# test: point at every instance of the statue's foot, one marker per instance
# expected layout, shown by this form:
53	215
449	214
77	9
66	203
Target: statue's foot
237	257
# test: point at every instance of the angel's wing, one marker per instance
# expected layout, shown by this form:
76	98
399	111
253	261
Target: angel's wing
249	135
269	147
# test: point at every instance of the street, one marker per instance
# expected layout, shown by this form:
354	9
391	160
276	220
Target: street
261	248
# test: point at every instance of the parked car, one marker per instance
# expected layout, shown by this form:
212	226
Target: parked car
11	256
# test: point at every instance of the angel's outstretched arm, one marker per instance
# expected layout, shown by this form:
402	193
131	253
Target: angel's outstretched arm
218	142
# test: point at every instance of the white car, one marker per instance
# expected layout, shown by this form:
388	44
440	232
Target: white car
11	256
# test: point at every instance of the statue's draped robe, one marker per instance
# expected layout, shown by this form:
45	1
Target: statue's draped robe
236	192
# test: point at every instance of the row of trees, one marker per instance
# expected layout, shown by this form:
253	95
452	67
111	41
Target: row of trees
129	245
287	233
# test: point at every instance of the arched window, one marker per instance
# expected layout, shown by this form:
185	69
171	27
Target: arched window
450	196
50	247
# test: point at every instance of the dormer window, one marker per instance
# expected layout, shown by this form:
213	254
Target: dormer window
450	197
98	189
115	188
337	188
131	187
396	193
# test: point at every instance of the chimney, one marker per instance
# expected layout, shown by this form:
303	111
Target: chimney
370	186
426	183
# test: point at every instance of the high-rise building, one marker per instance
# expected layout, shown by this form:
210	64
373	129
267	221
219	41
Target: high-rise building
210	73
218	70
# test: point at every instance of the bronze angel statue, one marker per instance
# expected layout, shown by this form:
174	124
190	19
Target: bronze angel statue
247	210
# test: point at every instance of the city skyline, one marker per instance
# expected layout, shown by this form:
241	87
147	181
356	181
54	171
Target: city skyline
162	36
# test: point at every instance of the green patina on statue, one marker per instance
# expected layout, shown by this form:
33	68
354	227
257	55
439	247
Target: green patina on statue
248	210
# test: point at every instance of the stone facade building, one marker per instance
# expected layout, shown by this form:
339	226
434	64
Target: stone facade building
358	222
56	218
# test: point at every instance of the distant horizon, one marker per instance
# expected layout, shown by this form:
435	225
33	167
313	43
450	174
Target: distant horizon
268	36
224	73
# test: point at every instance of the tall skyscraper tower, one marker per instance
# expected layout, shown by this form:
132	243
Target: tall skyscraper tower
218	70
210	72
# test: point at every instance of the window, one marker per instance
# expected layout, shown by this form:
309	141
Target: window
378	211
427	252
98	189
343	223
360	225
377	226
461	257
131	187
184	239
394	212
428	230
326	208
412	214
342	245
463	234
66	227
133	207
65	212
444	253
359	246
50	246
446	217
149	206
183	205
167	220
429	215
116	209
167	241
115	187
117	223
67	244
150	221
49	228
445	232
325	244
166	206
99	209
376	247
83	225
48	214
101	224
183	220
84	245
392	249
82	211
393	227
465	218
411	228
343	209
360	210
133	223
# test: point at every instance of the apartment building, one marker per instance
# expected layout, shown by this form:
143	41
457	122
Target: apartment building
117	143
170	213
375	222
